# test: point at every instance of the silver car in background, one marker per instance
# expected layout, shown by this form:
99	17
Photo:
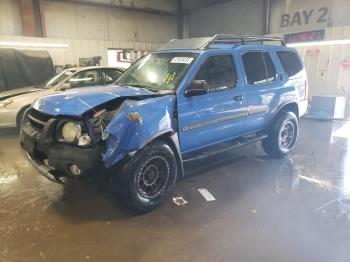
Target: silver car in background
14	102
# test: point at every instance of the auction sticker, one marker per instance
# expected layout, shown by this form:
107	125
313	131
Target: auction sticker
181	60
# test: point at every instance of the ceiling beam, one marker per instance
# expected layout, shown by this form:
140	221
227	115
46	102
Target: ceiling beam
124	7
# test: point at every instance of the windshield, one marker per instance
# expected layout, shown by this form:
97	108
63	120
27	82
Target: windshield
158	71
58	78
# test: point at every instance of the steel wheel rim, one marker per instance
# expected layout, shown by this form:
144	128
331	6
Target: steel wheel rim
152	178
286	135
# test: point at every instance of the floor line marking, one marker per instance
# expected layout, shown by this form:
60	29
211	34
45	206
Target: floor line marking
206	194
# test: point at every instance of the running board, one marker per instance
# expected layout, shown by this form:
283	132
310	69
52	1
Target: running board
224	147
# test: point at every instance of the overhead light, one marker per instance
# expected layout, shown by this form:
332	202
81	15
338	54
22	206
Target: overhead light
321	43
29	44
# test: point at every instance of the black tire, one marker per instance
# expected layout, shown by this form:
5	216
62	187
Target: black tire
282	135
20	117
148	178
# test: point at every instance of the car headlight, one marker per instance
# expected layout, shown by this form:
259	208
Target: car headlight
5	102
70	132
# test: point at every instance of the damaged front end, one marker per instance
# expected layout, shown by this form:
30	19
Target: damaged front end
76	145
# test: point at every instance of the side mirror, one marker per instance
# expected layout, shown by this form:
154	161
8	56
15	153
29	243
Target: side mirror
65	86
197	88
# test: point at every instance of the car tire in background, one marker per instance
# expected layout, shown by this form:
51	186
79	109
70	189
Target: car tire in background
282	135
148	178
19	117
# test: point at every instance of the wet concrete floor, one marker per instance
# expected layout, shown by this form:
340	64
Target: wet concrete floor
291	209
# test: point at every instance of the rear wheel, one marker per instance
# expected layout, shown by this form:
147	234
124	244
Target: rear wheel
282	135
148	178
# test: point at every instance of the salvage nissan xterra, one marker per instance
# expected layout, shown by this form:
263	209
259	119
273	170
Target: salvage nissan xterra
189	96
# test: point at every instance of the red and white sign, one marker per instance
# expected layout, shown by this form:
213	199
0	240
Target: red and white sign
345	63
124	57
313	52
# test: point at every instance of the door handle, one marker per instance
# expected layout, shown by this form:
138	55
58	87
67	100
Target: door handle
238	98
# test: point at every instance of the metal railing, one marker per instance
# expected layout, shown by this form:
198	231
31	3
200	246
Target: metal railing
240	40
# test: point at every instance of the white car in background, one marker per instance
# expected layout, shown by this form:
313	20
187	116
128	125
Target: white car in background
14	102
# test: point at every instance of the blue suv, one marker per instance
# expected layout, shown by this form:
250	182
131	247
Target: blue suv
213	94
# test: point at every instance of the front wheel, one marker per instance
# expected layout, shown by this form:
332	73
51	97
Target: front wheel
282	135
148	178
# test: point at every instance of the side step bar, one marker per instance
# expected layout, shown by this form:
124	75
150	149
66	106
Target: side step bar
224	147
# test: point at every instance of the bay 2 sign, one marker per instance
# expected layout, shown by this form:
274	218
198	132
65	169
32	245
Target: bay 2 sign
305	17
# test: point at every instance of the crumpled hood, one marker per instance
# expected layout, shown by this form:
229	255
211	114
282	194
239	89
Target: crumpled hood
18	91
76	102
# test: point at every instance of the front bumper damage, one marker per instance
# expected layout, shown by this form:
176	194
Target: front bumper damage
54	160
127	131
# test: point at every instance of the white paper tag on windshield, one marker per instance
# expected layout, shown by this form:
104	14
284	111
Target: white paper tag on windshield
181	60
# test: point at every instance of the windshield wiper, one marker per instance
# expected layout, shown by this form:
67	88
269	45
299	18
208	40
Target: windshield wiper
144	87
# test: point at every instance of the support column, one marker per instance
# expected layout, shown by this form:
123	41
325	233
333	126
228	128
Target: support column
33	21
28	19
266	22
180	20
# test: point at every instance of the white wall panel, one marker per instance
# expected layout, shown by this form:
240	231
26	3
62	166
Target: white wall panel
10	18
326	74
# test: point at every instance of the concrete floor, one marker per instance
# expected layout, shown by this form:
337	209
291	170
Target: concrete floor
291	209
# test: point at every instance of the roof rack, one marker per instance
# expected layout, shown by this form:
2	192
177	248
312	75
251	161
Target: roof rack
240	39
205	42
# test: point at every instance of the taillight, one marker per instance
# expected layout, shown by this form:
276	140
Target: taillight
305	90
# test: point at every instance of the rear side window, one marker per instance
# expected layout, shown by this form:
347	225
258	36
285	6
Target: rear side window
290	62
259	67
254	68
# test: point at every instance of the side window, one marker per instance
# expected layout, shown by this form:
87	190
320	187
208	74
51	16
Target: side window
290	62
219	72
84	78
270	68
110	75
254	68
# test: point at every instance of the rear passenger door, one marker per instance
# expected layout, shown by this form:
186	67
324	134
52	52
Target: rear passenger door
261	86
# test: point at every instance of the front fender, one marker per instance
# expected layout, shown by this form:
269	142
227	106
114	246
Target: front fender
136	123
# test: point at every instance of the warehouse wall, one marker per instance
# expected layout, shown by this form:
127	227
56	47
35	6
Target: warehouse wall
79	21
90	30
81	48
325	65
301	15
10	18
236	17
328	67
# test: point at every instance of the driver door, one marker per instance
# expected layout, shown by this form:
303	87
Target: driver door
218	115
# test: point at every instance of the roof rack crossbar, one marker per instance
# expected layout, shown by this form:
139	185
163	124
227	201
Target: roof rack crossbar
240	39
